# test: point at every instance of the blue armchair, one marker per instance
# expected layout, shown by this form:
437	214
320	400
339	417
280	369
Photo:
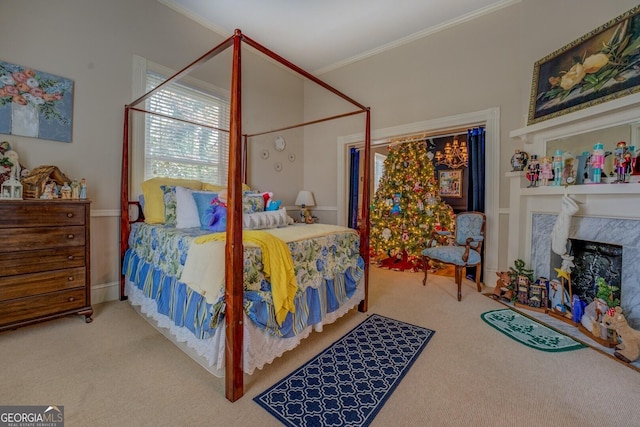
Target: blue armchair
463	251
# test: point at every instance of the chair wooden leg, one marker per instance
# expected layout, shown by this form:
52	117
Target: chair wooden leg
478	271
459	281
425	266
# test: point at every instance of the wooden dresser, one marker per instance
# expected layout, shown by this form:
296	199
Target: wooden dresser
44	261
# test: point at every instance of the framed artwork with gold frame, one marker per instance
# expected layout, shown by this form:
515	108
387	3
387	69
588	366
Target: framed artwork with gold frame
600	66
450	183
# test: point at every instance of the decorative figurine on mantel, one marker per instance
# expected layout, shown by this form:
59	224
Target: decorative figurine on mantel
558	168
546	171
533	171
519	161
597	162
622	162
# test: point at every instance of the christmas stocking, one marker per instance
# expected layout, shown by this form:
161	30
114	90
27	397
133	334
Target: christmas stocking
560	232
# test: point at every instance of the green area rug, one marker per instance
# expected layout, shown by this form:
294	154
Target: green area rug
529	332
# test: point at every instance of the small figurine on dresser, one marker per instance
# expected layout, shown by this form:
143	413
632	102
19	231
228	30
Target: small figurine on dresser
546	170
65	191
519	161
75	190
83	188
533	171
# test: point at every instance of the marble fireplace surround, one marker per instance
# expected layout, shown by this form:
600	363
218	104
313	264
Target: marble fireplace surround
619	231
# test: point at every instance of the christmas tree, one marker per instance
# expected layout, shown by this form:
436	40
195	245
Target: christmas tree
406	207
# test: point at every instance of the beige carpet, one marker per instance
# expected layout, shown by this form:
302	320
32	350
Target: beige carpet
119	371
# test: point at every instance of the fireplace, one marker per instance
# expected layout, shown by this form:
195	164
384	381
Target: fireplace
593	260
613	242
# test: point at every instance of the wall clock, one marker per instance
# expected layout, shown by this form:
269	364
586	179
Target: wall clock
279	143
264	154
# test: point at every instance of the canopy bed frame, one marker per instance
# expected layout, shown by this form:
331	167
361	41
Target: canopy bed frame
233	270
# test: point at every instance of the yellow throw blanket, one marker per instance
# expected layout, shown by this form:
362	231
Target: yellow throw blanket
278	267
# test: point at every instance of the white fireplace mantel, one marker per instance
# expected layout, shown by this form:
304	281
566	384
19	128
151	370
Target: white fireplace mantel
617	112
599	200
619	201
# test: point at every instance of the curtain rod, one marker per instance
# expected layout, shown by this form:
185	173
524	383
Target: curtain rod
427	135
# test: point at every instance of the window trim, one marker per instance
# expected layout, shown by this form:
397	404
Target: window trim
137	137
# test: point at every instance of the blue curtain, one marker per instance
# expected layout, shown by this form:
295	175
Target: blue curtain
354	176
476	193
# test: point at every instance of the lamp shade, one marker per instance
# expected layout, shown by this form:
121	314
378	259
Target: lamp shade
305	198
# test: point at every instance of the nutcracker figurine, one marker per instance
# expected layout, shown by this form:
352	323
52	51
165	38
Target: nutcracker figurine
622	162
533	171
558	167
597	162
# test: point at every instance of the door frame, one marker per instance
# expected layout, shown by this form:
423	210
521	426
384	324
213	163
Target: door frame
489	118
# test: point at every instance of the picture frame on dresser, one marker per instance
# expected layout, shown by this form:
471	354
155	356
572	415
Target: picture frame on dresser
598	67
45	270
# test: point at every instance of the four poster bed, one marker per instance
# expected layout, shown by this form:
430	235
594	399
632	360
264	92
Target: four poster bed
245	308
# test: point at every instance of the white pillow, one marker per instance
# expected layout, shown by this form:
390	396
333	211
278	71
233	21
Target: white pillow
186	209
266	219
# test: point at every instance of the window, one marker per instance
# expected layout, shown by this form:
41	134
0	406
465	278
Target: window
178	149
378	169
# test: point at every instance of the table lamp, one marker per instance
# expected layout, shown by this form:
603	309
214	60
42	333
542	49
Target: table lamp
305	199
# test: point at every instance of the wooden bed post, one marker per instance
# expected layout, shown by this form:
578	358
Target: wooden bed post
234	252
366	200
124	200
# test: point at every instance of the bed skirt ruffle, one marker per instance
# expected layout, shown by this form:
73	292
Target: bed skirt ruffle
193	321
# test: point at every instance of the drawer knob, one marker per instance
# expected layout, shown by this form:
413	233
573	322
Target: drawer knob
70	278
70	257
71	299
70	236
70	215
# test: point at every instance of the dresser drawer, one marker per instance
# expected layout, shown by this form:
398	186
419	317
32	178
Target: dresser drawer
12	263
39	283
41	305
14	239
39	213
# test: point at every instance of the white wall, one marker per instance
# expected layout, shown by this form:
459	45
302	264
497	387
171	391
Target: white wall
481	64
92	43
484	63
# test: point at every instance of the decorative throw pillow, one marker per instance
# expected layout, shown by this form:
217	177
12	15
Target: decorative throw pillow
266	219
169	200
186	209
203	199
154	196
252	202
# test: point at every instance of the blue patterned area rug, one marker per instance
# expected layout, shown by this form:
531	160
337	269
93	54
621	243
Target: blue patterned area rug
347	384
529	332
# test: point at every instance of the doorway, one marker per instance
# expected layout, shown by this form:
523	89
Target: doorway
489	119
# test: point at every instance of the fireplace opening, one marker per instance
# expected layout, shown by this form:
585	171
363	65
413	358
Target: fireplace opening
593	260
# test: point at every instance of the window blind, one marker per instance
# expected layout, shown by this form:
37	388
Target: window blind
183	150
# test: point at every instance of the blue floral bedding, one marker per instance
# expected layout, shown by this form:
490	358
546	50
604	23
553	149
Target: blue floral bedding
328	269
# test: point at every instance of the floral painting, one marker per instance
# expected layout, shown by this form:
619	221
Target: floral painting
600	66
34	103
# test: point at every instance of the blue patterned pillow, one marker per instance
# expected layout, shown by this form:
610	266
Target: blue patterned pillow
203	199
170	203
252	202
